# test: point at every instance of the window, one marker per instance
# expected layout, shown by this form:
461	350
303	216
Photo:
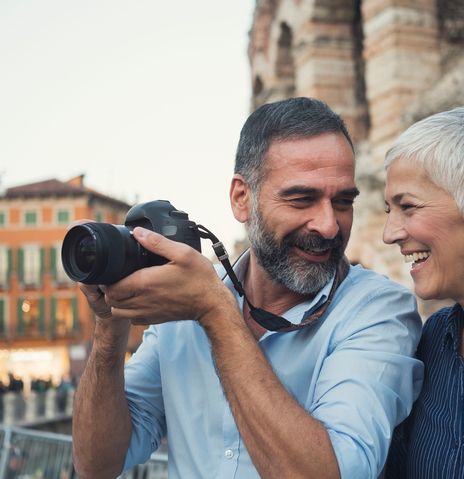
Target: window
5	265
30	317
56	266
62	217
2	219
99	217
30	264
64	317
30	218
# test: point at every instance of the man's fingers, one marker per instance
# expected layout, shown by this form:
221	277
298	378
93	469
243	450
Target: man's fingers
123	302
93	292
96	299
128	288
129	314
158	244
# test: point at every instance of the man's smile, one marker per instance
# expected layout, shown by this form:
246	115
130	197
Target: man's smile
314	256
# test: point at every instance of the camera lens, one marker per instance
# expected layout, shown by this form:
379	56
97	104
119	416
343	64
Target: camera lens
100	253
82	253
86	253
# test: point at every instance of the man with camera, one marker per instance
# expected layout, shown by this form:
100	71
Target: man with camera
300	366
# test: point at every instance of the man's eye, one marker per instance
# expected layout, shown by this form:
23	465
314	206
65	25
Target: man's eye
302	200
344	202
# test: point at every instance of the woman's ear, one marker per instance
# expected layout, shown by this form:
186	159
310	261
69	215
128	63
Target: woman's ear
240	198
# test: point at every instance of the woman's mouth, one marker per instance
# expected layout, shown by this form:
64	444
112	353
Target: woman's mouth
417	258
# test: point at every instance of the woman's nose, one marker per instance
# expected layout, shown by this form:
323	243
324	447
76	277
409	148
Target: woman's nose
393	231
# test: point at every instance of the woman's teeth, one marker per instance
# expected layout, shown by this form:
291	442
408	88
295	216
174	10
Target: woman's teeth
408	258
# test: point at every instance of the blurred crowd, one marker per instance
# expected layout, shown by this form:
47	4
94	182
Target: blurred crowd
44	398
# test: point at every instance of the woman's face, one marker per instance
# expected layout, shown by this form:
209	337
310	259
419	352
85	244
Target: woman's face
425	222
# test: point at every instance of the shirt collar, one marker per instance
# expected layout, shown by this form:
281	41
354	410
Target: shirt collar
297	313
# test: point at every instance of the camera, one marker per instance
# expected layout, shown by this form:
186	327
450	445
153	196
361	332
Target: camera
102	253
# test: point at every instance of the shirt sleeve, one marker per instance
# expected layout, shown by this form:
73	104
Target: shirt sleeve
370	379
145	401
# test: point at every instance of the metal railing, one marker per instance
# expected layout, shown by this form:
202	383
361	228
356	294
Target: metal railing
30	454
27	454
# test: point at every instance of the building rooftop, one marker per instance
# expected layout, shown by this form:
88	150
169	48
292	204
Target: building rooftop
52	187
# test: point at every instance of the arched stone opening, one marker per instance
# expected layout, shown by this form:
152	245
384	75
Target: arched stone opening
284	64
258	86
285	68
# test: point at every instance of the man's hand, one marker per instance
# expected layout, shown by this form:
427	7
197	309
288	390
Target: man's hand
96	299
187	287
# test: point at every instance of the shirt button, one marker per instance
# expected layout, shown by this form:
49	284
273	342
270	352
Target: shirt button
229	453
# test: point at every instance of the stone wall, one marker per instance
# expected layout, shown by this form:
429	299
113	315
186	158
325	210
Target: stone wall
381	64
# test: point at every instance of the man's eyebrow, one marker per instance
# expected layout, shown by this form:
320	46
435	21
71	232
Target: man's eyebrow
353	192
300	190
310	191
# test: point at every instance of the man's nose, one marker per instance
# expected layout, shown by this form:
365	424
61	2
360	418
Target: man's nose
325	222
393	231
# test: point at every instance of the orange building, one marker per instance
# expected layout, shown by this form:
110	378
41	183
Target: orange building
45	323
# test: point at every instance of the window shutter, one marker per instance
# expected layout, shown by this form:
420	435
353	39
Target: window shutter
2	318
19	317
53	264
53	317
10	266
41	316
75	318
42	265
20	265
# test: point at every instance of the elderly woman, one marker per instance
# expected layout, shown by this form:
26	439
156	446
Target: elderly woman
425	205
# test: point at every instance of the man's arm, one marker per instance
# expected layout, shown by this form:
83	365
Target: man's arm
281	437
101	420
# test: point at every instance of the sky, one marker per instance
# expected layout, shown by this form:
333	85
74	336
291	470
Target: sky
146	98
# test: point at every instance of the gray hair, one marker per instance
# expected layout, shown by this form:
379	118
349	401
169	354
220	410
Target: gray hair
283	120
436	143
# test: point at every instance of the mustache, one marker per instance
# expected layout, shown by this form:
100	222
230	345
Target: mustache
313	241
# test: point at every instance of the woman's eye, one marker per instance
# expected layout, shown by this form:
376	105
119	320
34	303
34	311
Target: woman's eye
406	206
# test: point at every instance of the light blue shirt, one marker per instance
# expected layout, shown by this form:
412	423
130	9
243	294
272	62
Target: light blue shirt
353	370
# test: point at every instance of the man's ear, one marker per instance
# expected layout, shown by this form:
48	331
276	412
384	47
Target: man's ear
240	198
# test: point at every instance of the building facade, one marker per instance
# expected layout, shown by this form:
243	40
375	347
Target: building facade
45	323
381	64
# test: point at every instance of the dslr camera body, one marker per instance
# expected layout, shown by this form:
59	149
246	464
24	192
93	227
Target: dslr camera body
102	253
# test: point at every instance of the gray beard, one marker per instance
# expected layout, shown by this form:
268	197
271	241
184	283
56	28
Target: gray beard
283	265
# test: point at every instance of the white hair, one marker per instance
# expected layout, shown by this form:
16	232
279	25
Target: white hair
436	143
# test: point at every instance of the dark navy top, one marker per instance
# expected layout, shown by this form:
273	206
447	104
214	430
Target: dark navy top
429	444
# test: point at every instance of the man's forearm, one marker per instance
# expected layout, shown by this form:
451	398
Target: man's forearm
282	439
101	420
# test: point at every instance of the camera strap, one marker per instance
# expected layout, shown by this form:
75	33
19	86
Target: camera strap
266	319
